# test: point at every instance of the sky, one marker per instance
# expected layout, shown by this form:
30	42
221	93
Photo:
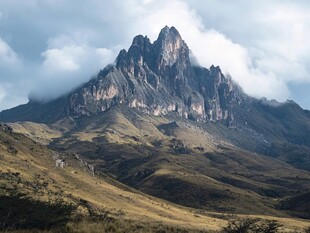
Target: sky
49	47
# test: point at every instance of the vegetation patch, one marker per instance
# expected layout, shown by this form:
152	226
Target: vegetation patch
249	225
20	212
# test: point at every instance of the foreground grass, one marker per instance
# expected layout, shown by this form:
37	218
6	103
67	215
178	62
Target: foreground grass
36	196
109	226
125	226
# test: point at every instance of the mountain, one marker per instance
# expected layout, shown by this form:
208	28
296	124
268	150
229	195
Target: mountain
156	78
158	123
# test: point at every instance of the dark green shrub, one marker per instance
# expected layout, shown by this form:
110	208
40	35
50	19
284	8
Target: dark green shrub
251	226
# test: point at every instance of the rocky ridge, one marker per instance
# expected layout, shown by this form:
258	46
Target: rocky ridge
158	78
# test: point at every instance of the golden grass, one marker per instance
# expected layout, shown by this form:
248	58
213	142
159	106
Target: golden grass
73	181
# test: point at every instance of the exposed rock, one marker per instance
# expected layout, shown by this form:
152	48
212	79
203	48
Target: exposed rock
6	128
158	78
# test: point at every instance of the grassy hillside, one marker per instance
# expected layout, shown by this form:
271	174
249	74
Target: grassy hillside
37	196
30	179
185	162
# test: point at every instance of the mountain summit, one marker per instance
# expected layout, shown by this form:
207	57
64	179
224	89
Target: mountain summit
156	78
167	50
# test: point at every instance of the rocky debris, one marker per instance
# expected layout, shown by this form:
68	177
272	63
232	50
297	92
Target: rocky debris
87	167
168	128
10	144
11	149
255	135
59	163
59	160
142	174
178	147
6	128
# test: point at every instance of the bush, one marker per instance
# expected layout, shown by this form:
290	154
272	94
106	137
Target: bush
240	226
19	212
268	227
252	226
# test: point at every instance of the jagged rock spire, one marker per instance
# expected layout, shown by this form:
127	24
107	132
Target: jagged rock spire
167	50
171	49
156	78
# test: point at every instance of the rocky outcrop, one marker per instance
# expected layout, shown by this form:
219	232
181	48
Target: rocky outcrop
6	128
158	78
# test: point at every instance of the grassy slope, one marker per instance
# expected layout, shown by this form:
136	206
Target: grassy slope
32	171
29	168
143	151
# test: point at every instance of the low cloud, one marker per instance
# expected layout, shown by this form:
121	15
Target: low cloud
2	93
11	67
66	67
8	56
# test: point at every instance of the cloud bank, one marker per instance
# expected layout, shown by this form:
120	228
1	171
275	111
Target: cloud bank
48	47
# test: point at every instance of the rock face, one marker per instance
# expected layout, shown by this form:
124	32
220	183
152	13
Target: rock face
158	78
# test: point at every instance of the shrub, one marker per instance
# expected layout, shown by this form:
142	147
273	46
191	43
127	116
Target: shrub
20	212
240	226
268	227
252	226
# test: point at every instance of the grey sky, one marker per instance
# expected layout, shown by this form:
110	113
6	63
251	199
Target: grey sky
48	47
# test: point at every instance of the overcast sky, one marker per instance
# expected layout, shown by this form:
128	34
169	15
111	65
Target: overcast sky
48	47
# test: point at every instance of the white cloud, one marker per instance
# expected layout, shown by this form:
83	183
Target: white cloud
2	94
68	64
7	54
235	60
58	60
263	45
13	95
146	2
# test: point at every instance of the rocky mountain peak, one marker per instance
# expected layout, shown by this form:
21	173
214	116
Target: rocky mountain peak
171	32
169	41
170	48
140	40
156	78
138	55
